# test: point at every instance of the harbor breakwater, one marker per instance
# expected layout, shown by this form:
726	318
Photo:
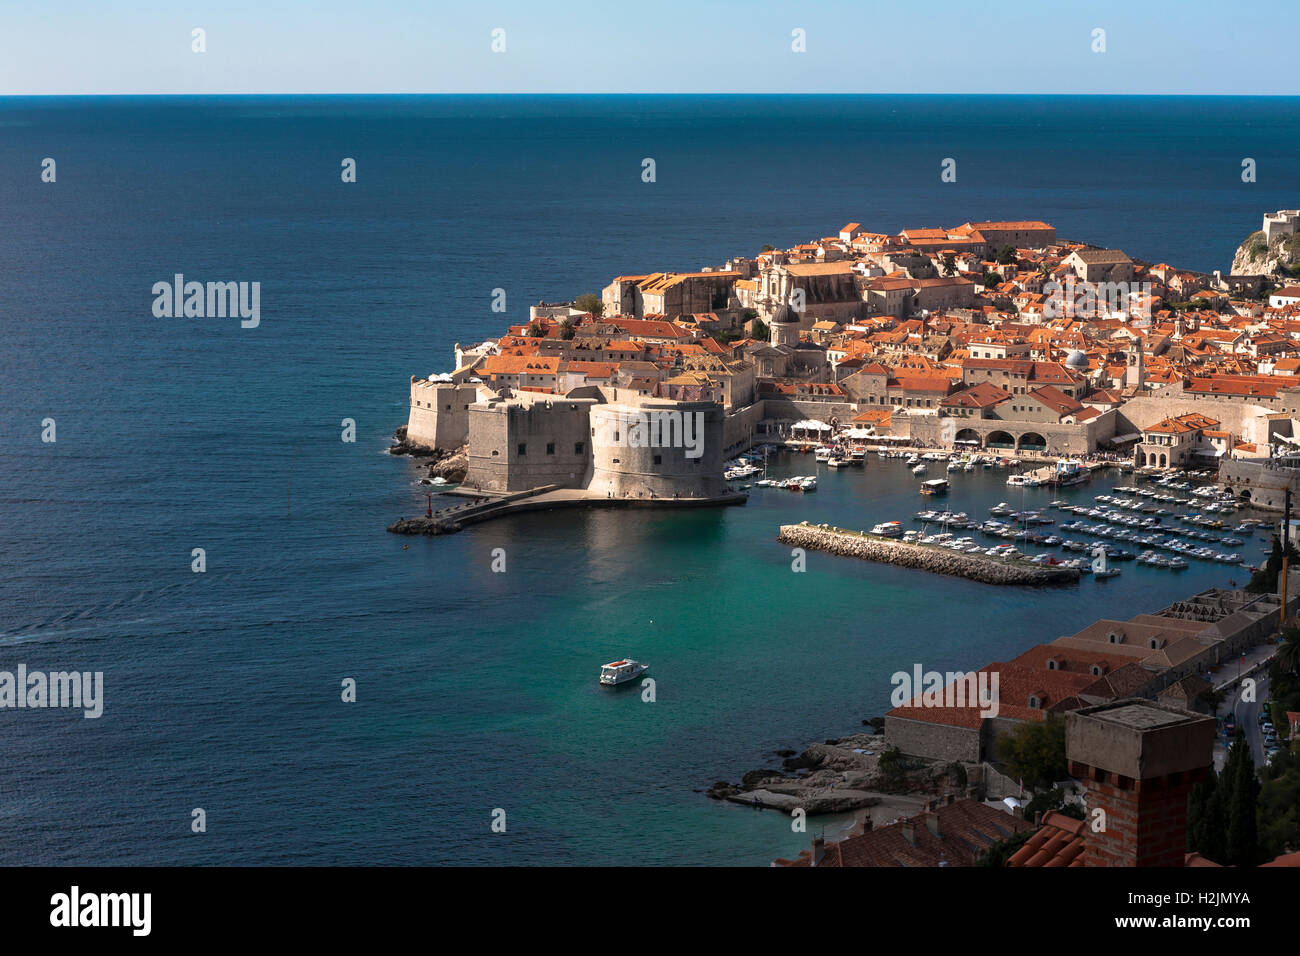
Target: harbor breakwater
858	544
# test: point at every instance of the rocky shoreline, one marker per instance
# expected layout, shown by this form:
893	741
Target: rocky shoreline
856	544
448	465
838	776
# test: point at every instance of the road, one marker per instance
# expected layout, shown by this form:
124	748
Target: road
1247	717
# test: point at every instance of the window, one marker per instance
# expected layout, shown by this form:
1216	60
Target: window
659	459
550	448
523	449
578	447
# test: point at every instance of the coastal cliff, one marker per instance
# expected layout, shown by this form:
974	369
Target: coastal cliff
1255	256
855	544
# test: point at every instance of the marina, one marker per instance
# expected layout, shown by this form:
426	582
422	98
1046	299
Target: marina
1096	521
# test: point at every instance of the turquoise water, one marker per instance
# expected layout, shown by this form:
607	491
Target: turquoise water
477	690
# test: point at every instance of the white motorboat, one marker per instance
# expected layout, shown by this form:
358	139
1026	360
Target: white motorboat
620	672
1100	568
919	469
808	484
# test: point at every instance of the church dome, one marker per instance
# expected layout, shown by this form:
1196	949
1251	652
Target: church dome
1076	359
785	314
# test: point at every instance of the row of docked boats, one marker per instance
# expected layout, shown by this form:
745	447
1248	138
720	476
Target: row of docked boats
796	483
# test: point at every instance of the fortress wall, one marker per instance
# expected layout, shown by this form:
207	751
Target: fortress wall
623	465
1238	417
1266	486
439	413
738	428
794	410
514	447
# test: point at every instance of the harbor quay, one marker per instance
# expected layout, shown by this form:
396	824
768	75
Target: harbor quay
477	508
870	547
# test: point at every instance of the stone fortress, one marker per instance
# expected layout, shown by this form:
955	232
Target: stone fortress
1284	222
610	442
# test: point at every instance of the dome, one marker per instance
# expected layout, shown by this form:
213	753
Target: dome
1076	359
785	314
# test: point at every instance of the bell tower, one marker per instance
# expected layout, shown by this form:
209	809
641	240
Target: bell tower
1134	371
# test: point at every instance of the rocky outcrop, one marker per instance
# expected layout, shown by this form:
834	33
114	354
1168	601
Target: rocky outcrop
1257	257
838	776
453	467
425	526
444	463
856	544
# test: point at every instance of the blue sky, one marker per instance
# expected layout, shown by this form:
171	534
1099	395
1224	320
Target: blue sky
663	46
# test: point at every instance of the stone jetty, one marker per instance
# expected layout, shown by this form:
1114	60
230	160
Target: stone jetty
977	567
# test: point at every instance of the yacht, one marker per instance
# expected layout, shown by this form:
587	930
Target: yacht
888	529
620	672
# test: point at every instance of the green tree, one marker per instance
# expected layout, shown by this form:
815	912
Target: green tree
590	302
1287	656
1035	751
1207	827
1243	796
758	330
567	330
533	330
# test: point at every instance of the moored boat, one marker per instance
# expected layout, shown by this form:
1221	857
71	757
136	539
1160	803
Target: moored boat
620	672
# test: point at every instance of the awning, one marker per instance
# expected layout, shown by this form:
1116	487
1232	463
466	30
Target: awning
1131	436
858	433
809	425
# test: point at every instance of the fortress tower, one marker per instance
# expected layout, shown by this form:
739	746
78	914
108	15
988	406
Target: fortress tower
1284	222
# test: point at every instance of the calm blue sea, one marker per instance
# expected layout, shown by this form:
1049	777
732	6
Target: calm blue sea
476	690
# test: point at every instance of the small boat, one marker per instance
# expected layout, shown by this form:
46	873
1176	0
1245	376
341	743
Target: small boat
808	484
935	486
919	469
888	529
620	672
1101	571
838	462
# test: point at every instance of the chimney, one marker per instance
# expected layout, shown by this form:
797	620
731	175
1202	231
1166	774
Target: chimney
1138	761
932	822
818	849
908	830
